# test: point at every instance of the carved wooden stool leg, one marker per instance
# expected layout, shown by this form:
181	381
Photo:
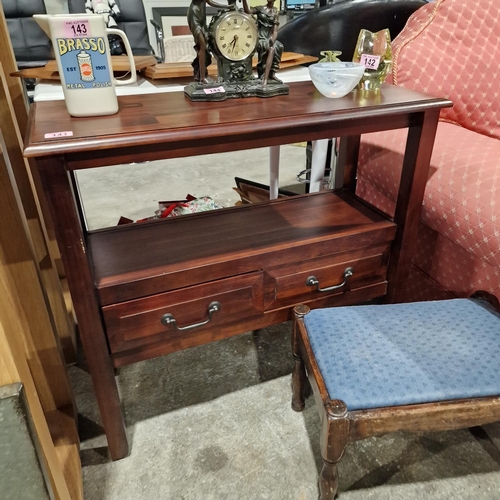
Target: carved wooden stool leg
299	372
334	438
328	481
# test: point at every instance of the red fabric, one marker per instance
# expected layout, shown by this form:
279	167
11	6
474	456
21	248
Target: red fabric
454	268
462	196
449	48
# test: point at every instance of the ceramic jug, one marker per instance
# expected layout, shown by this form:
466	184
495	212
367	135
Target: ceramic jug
81	48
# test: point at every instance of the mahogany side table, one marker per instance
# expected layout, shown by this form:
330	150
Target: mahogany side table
148	289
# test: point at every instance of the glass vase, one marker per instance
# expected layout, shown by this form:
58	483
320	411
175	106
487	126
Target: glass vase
373	50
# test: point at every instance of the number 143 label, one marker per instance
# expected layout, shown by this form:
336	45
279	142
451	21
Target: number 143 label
370	61
77	29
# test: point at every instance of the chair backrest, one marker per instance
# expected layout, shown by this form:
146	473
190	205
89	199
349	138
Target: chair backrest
450	49
336	26
132	21
32	47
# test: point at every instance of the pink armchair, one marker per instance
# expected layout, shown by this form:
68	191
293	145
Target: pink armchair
448	48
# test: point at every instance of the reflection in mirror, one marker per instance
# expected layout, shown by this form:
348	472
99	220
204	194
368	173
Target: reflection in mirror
134	191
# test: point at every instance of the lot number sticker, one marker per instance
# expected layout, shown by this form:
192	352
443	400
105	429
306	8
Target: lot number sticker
370	61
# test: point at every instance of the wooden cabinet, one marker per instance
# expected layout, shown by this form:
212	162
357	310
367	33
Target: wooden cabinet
250	260
148	289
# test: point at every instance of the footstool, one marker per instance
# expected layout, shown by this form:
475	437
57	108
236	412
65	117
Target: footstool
375	369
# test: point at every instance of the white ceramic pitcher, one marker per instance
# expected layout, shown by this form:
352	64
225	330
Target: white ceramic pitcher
81	48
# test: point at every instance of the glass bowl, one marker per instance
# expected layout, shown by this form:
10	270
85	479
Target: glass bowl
336	79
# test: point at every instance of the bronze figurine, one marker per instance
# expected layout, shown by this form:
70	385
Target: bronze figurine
197	21
269	49
233	36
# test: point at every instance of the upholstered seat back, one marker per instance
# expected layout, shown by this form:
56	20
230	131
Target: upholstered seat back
32	47
450	48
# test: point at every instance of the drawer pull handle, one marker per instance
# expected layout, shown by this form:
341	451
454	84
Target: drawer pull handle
168	319
312	281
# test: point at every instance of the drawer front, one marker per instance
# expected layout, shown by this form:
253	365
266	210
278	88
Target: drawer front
138	322
288	285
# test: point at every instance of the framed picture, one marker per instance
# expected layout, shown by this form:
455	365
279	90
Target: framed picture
173	20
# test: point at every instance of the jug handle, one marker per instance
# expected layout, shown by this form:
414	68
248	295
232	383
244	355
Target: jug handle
133	73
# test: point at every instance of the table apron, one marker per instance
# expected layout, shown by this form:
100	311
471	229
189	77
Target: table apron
194	145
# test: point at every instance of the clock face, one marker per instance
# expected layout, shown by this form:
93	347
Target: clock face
236	35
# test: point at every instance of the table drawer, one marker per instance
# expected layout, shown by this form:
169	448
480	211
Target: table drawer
287	285
135	323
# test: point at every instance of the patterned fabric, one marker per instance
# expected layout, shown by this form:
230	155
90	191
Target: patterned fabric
390	355
450	48
420	287
455	269
462	196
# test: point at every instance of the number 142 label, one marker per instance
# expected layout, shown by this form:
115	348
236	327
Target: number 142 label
370	61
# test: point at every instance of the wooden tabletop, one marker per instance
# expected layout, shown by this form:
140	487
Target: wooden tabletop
169	125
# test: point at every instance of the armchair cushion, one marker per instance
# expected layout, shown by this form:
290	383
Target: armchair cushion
462	197
450	48
401	354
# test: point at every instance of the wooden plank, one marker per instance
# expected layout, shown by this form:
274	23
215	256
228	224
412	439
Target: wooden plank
119	63
29	350
8	61
64	434
51	72
185	70
14	368
152	68
65	325
19	103
34	322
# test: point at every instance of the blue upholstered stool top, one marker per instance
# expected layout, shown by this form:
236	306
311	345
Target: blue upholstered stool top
389	355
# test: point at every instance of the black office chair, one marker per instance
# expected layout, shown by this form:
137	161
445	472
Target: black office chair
336	27
32	47
133	22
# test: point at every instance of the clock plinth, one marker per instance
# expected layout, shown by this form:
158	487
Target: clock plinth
233	90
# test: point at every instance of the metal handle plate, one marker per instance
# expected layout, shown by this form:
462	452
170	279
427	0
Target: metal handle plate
168	318
313	281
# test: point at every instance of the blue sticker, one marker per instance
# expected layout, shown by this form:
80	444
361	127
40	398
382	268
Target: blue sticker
84	62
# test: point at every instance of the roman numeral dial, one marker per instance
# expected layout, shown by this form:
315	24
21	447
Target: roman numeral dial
236	35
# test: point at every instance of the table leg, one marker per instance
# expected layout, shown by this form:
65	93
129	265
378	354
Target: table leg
419	144
347	163
274	171
69	234
318	164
